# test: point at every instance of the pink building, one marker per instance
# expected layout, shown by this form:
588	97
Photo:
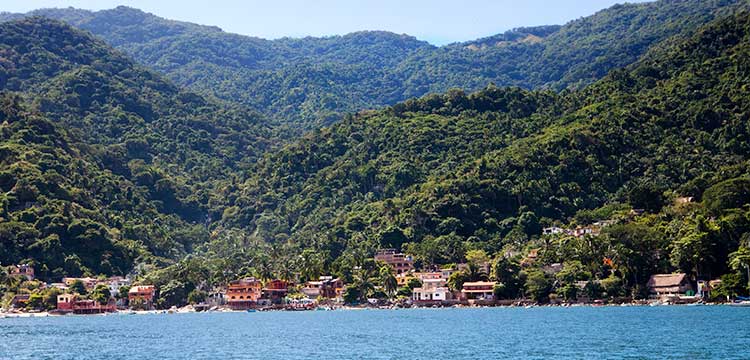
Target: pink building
400	262
67	303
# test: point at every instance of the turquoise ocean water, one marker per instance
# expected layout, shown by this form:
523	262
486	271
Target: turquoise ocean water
676	332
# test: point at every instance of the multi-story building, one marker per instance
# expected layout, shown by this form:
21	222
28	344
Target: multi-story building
482	290
142	295
432	290
115	283
326	287
67	303
400	262
243	294
275	291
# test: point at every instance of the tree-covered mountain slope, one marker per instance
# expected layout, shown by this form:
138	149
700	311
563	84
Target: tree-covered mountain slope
444	174
308	82
104	163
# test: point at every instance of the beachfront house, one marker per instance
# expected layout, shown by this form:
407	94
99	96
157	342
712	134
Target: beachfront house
19	301
326	287
275	291
432	290
243	294
400	262
71	303
661	285
479	290
217	297
142	296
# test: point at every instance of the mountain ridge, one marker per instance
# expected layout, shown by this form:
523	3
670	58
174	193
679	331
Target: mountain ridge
309	82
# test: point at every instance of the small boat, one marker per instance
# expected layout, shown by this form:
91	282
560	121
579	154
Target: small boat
251	310
743	303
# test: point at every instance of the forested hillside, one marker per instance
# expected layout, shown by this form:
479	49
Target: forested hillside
445	174
104	163
309	82
109	168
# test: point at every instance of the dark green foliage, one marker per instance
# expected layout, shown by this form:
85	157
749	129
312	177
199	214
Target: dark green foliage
730	194
105	164
100	294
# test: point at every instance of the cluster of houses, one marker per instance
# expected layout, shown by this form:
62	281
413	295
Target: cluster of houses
139	296
68	302
434	287
249	293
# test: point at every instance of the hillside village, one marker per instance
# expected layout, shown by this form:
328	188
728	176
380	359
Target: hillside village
399	283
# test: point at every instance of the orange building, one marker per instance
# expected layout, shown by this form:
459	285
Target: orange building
142	293
243	294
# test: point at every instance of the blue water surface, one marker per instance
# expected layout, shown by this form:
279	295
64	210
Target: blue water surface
674	332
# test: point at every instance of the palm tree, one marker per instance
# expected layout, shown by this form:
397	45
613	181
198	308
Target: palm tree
363	282
390	285
475	273
310	265
741	259
3	275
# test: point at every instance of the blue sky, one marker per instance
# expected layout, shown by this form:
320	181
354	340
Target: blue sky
437	21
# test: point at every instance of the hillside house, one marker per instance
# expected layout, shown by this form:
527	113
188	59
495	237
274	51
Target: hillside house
25	271
553	230
88	283
400	262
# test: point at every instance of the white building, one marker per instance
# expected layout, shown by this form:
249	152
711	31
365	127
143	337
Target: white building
553	230
115	283
432	290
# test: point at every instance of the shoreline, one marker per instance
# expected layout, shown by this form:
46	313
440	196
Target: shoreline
16	315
